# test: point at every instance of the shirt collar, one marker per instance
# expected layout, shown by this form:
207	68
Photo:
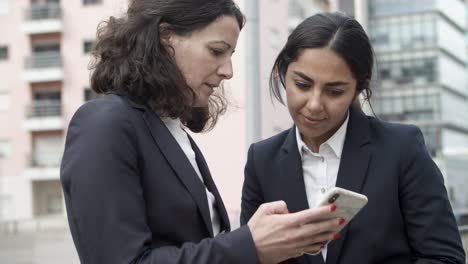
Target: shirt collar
172	123
336	142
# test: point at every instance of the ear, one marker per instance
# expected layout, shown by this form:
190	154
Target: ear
165	34
364	87
365	91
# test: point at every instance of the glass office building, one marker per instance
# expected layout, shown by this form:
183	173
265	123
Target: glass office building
421	75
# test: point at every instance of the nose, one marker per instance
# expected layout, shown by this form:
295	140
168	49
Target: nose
314	101
225	69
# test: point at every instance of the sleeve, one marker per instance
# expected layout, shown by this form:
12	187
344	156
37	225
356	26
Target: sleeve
252	196
105	201
430	224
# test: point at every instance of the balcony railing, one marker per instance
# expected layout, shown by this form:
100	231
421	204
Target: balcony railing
44	160
45	108
34	225
43	11
39	60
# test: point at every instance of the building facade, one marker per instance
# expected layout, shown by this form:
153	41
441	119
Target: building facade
44	56
421	77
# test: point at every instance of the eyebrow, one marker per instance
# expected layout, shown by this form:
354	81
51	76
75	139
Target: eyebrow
307	78
220	42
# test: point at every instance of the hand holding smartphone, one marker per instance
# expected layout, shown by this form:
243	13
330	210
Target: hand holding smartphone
348	204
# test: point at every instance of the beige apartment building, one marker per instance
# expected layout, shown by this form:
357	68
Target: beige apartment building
45	48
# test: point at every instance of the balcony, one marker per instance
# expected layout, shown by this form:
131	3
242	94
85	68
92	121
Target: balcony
43	19
43	67
44	115
44	166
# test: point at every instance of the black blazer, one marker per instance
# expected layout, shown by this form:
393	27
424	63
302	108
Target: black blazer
132	196
408	218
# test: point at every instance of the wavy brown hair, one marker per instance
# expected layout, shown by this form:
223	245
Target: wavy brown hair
130	59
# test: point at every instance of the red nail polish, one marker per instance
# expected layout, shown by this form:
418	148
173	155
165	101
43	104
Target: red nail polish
332	208
342	221
336	236
322	247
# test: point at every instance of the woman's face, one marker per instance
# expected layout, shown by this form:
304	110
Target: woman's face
204	56
319	89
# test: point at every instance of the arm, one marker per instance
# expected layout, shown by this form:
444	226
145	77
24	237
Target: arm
252	196
430	225
105	202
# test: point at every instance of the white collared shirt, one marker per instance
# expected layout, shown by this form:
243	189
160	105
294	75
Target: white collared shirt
177	131
320	170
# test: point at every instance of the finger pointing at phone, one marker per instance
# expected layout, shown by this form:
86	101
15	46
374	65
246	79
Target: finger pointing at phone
279	235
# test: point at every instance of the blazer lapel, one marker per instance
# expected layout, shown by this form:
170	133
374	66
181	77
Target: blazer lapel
291	177
203	166
180	164
352	172
292	184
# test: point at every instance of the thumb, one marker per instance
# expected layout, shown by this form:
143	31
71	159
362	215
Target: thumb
277	207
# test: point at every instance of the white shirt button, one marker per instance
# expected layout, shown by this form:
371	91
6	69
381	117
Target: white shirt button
323	190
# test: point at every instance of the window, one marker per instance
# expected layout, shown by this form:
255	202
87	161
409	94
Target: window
3	7
5	101
296	9
5	148
54	204
47	151
3	52
91	2
384	74
46	47
47	197
46	103
89	94
49	94
88	46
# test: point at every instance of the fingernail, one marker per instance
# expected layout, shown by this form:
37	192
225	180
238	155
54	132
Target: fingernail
342	221
336	236
332	208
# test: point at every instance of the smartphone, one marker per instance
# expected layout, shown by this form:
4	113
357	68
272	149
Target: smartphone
348	204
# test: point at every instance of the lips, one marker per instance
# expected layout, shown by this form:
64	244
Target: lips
212	86
312	121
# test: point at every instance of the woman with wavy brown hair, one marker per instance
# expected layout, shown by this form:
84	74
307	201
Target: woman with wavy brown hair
137	188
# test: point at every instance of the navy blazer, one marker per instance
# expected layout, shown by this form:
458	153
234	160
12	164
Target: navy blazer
408	218
132	196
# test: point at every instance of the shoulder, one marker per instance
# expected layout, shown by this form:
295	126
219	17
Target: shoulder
273	142
268	150
109	105
392	131
104	113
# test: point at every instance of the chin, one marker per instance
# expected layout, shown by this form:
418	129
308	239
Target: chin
201	103
311	133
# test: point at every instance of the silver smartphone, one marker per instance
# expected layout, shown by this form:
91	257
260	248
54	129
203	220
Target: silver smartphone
348	204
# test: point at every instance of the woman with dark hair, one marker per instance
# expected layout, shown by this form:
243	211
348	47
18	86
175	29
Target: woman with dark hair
325	65
137	188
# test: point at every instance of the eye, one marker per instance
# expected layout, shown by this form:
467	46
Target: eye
216	52
302	85
335	92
